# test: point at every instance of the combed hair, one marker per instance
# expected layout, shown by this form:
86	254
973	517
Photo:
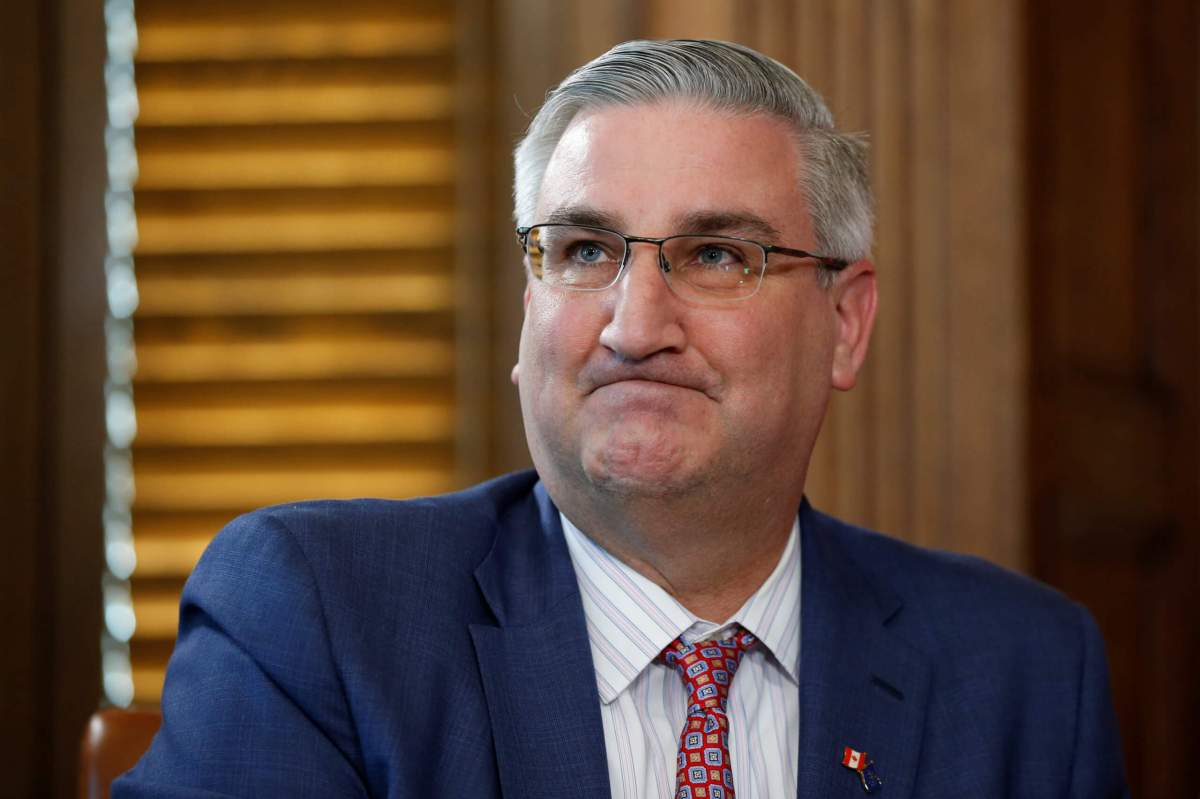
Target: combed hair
722	76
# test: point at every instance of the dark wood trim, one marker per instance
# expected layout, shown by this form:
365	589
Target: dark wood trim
74	435
51	369
1113	204
22	270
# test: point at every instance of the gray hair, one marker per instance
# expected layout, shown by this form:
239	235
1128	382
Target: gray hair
727	77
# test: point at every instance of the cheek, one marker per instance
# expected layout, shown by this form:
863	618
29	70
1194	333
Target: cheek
556	338
784	363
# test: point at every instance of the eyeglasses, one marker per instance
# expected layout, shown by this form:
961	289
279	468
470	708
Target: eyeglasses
698	268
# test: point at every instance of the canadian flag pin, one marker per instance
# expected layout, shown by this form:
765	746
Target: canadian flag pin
861	764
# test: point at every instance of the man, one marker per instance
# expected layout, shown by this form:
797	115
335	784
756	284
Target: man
696	236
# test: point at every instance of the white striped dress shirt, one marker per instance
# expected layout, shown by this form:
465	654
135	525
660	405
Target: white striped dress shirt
644	703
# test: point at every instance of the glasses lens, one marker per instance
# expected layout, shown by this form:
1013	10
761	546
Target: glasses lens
575	257
714	266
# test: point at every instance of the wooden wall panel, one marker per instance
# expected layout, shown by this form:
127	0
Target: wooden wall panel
1113	207
853	423
74	434
889	141
25	729
988	273
693	19
926	256
929	447
51	399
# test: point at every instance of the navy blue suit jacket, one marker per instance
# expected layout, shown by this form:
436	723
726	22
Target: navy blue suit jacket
437	648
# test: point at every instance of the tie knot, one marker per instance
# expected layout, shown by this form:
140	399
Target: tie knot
707	667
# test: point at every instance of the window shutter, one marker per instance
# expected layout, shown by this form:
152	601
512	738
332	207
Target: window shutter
295	334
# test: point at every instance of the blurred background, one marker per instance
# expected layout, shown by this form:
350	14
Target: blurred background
257	251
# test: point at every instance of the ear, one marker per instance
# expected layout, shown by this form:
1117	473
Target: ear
855	298
515	376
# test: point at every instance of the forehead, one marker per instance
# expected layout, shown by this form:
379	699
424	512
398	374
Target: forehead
650	168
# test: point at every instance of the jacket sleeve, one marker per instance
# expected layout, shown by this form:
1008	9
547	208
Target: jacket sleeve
253	703
1097	770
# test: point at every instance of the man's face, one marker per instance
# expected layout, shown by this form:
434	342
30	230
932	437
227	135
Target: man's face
636	391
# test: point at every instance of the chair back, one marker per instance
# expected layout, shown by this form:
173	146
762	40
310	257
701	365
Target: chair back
114	740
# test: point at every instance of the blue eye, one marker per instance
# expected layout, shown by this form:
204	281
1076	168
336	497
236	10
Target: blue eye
714	256
589	252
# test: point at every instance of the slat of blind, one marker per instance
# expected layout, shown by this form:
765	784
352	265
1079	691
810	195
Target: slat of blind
157	612
210	488
272	294
306	36
172	557
295	356
294	335
275	229
180	524
198	423
207	165
268	103
148	681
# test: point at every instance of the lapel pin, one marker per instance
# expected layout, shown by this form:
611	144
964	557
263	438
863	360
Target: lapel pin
861	764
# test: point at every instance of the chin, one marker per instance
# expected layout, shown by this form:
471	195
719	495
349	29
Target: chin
643	468
633	486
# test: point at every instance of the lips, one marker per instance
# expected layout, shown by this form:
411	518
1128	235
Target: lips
665	371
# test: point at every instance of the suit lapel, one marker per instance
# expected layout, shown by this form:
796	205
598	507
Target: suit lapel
860	686
536	663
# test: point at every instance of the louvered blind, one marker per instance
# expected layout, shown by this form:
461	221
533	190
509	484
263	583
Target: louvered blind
295	332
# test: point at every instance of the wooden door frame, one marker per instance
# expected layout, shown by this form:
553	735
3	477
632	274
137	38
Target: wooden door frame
52	234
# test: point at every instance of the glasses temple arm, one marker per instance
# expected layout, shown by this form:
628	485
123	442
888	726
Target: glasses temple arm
836	264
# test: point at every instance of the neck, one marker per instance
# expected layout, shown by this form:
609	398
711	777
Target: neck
682	543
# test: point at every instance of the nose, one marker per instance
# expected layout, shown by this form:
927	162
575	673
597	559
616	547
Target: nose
645	312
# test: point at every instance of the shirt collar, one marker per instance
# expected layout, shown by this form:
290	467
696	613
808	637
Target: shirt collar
631	619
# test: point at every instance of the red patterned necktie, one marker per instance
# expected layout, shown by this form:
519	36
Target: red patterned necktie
703	770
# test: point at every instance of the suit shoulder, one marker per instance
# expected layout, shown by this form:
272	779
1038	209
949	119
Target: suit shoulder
963	593
1016	671
427	544
464	518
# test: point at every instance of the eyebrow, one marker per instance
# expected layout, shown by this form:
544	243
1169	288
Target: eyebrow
583	215
728	222
739	223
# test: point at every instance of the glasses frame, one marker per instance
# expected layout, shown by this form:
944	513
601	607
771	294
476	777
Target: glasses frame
832	264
